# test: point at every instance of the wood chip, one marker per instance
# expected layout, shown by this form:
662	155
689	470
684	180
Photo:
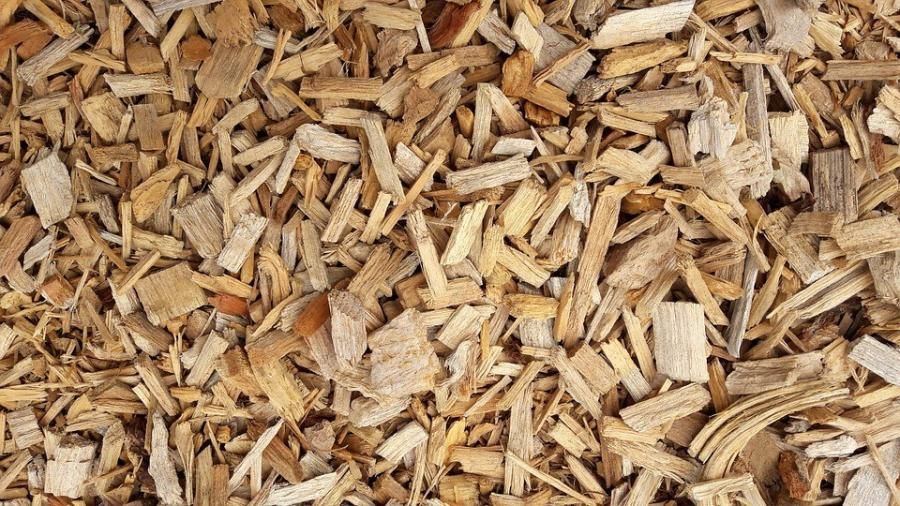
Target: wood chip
489	175
640	25
876	357
455	252
169	293
70	468
49	185
666	407
680	341
240	245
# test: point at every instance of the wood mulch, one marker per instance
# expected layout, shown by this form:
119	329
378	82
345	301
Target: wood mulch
526	252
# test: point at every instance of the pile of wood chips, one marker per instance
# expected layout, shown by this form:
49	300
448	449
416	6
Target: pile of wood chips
268	252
